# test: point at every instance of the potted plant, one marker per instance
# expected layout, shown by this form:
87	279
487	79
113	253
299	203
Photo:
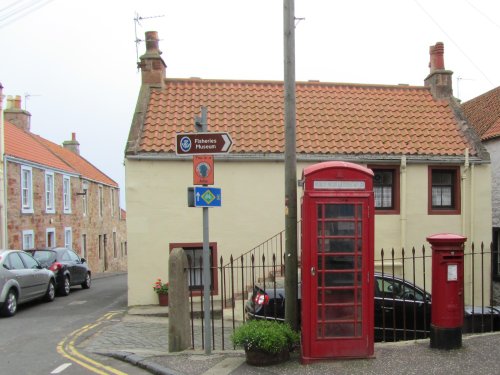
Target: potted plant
161	289
265	342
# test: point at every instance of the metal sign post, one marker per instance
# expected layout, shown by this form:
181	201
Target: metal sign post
204	143
206	284
201	124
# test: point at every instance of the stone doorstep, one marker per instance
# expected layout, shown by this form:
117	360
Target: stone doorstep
155	310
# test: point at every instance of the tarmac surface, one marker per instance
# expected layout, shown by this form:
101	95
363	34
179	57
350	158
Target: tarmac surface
140	337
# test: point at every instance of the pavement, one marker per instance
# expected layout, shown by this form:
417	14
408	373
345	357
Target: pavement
141	338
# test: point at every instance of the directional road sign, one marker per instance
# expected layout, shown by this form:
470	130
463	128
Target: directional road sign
202	143
202	196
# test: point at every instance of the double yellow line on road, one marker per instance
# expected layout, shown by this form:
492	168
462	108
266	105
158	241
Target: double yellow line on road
66	348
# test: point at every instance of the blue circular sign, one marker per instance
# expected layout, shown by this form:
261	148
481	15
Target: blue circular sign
185	144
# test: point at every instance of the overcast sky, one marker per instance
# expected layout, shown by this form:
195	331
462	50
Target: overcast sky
76	60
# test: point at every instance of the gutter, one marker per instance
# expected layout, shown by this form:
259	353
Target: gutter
279	157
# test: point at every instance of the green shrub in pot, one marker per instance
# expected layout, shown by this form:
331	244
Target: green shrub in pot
266	337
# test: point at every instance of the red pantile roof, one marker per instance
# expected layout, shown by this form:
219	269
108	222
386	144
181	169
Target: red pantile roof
483	113
22	145
33	148
80	164
331	118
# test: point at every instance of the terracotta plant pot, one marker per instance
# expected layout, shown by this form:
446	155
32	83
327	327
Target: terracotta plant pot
261	358
163	299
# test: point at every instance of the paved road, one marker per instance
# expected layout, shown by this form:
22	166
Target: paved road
29	340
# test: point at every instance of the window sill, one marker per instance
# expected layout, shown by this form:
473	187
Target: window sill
443	212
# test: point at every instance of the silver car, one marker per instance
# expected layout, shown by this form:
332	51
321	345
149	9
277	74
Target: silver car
23	279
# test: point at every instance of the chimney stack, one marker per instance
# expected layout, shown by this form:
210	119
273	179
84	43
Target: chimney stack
439	79
152	66
15	114
72	145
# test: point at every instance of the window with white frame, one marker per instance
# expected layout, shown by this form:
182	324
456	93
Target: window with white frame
66	194
49	192
26	189
68	238
50	237
85	189
28	239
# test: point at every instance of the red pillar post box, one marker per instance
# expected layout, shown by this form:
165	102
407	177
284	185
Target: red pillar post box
447	311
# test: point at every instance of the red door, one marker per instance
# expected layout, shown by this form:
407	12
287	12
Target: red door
340	294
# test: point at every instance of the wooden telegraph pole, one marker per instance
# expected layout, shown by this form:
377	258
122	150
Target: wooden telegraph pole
291	258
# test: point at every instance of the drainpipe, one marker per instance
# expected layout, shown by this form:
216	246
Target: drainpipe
464	196
464	192
402	192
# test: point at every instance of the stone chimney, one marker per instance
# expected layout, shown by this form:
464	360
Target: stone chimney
15	114
152	66
72	145
439	79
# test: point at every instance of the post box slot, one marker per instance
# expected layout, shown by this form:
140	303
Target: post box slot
452	257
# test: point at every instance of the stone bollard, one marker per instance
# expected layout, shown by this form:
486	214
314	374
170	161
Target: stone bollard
179	334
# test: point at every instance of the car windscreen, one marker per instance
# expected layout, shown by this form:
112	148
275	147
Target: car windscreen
45	257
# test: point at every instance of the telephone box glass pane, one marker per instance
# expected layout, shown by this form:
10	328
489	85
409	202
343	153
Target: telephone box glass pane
337	211
339	276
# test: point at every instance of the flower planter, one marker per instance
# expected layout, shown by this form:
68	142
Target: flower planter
163	299
261	358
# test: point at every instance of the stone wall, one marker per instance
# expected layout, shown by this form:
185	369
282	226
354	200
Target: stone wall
92	225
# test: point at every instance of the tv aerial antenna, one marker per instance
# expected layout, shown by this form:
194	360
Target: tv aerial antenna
137	21
27	96
459	78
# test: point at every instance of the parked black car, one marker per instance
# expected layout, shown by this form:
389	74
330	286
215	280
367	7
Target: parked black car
402	310
68	267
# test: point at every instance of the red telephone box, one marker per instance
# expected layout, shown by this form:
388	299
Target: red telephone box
337	261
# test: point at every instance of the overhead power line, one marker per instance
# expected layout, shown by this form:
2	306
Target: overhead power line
20	9
453	41
483	14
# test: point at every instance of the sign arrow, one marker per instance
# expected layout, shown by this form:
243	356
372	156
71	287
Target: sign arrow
227	142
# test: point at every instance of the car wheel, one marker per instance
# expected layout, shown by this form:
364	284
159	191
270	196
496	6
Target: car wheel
50	295
65	287
87	282
9	307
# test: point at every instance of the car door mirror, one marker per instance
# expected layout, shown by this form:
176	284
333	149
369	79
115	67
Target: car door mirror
6	267
83	260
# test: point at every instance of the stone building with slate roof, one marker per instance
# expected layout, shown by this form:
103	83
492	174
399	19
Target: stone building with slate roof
432	173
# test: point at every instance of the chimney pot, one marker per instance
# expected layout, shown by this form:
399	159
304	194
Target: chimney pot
439	79
17	102
16	115
152	66
437	57
152	41
73	145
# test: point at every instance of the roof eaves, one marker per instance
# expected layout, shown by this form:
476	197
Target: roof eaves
360	158
41	166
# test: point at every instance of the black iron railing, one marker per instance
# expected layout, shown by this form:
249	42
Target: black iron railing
405	313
